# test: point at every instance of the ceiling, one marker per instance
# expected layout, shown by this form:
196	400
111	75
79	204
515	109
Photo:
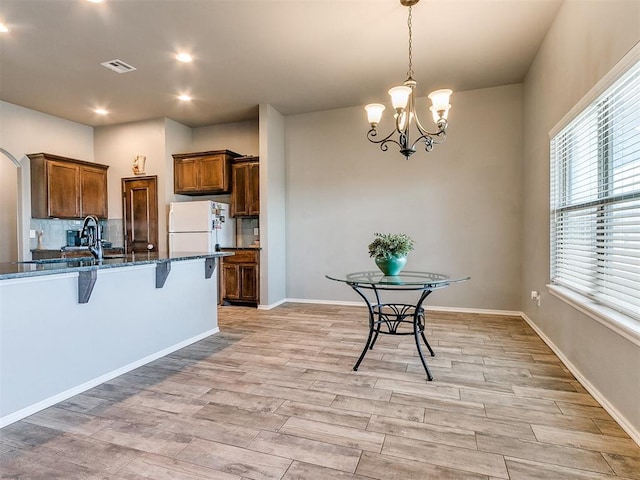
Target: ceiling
296	55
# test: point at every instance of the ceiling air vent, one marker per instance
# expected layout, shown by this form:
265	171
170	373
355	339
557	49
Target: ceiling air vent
118	66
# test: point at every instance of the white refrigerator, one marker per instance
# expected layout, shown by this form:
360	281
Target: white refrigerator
200	226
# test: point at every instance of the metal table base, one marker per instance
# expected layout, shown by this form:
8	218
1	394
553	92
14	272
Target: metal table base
386	318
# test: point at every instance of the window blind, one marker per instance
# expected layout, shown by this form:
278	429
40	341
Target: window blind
595	199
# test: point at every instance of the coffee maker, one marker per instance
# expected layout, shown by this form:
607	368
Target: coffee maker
73	238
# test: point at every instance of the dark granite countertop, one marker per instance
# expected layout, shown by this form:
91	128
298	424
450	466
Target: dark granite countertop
241	248
67	248
68	265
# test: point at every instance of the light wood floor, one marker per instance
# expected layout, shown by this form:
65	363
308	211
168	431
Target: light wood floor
273	396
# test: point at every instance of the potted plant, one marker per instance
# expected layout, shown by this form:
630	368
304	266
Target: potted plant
390	251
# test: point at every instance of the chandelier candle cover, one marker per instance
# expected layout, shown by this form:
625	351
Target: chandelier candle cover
403	101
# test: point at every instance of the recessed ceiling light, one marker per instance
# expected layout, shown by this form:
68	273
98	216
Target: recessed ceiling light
184	57
96	1
3	28
184	97
101	111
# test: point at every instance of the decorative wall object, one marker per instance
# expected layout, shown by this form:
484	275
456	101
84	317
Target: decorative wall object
138	164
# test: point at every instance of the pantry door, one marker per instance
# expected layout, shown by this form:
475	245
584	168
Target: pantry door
140	214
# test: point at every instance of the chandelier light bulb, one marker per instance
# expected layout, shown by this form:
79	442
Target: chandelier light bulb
438	114
400	96
440	104
402	120
374	112
440	98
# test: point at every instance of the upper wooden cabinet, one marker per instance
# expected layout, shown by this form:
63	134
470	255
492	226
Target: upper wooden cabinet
93	191
67	188
202	173
245	192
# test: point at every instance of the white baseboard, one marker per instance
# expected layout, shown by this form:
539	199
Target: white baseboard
595	393
62	396
272	305
428	308
481	311
325	302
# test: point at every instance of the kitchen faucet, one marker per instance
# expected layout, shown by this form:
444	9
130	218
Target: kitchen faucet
95	240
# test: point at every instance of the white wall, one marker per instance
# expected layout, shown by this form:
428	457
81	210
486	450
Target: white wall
178	139
240	137
28	131
585	41
461	203
9	177
158	139
24	131
117	146
273	285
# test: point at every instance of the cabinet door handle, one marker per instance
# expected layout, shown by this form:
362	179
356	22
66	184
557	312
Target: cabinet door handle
149	246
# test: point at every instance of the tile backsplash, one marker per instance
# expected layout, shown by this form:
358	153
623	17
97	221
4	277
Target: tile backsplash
247	233
54	232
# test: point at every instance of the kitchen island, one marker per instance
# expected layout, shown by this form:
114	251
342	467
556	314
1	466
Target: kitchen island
67	325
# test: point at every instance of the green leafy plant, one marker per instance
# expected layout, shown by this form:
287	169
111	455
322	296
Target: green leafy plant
387	245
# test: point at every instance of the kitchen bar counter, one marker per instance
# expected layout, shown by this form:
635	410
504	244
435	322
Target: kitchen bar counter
69	265
68	252
68	325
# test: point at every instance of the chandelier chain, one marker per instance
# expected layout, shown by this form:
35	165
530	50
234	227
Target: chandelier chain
410	71
406	116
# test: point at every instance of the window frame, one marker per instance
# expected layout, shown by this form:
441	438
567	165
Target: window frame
623	324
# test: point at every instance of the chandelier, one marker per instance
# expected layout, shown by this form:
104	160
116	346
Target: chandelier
403	101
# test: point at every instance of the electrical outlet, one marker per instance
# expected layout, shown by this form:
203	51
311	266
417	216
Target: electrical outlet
32	234
256	231
535	295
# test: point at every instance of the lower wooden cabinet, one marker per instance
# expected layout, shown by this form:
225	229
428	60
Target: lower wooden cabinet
240	277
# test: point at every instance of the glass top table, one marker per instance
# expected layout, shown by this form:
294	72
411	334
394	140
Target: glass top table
413	280
390	318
